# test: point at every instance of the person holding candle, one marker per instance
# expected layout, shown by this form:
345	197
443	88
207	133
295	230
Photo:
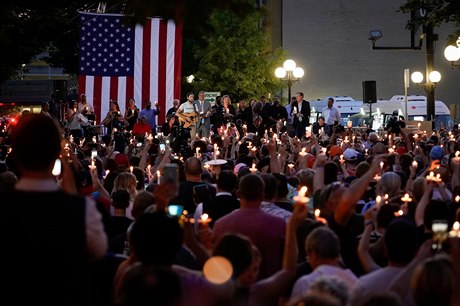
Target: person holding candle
338	203
193	170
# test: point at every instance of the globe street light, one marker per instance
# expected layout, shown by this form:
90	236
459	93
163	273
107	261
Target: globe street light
290	73
434	77
452	53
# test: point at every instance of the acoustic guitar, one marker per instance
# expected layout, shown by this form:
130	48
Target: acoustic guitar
188	119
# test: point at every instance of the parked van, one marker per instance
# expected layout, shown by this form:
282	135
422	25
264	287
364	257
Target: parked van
416	109
346	105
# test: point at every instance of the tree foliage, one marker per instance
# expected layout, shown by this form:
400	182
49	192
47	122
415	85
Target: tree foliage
435	13
237	57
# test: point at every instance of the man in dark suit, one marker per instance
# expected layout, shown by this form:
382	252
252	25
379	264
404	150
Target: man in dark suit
203	108
301	114
224	202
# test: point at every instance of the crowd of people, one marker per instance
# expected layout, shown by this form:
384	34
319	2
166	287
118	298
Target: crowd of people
228	204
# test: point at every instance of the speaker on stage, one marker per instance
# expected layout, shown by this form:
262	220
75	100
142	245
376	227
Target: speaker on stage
369	91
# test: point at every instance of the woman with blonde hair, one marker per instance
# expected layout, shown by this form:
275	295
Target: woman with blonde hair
128	182
390	184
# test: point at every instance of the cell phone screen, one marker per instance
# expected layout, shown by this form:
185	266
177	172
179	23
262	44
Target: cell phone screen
175	210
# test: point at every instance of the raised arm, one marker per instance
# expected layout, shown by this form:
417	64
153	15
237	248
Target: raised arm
354	192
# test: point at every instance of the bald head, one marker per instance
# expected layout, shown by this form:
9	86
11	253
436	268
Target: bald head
193	166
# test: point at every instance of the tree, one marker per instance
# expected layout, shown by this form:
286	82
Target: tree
434	13
237	58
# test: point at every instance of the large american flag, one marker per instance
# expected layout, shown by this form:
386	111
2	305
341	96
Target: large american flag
120	63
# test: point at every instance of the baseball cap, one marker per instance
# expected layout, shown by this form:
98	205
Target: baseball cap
335	150
121	160
238	167
436	153
350	154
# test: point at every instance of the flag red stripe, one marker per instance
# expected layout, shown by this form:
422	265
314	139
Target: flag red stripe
162	70
114	89
97	93
178	60
146	61
129	88
81	85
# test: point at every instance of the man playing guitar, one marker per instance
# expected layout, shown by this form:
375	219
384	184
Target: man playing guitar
187	114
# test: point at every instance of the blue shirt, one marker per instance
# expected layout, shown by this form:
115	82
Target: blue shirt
150	114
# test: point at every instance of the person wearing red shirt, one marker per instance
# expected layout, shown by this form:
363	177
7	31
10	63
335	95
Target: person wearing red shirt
141	127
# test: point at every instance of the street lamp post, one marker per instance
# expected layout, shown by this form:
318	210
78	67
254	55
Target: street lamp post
289	73
433	77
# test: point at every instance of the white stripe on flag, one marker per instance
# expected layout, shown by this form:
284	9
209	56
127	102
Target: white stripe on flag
138	43
170	46
105	96
122	99
89	91
154	51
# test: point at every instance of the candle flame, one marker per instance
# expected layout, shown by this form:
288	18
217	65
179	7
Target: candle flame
317	213
205	218
414	164
400	212
457	198
456	226
131	169
457	154
378	199
303	191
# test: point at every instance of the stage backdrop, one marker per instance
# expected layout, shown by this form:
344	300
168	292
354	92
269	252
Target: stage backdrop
120	63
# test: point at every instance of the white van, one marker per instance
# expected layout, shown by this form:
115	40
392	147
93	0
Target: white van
346	105
416	109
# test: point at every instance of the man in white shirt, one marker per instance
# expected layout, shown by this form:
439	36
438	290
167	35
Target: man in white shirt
188	108
331	115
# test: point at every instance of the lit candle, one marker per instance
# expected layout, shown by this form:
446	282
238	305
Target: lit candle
291	166
457	198
106	173
94	139
457	154
418	125
317	213
346	139
365	151
149	167
205	219
71	138
301	198
131	169
455	232
378	201
381	165
197	152
400	213
302	153
415	136
158	177
414	164
253	169
341	159
207	166
92	166
391	150
406	198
